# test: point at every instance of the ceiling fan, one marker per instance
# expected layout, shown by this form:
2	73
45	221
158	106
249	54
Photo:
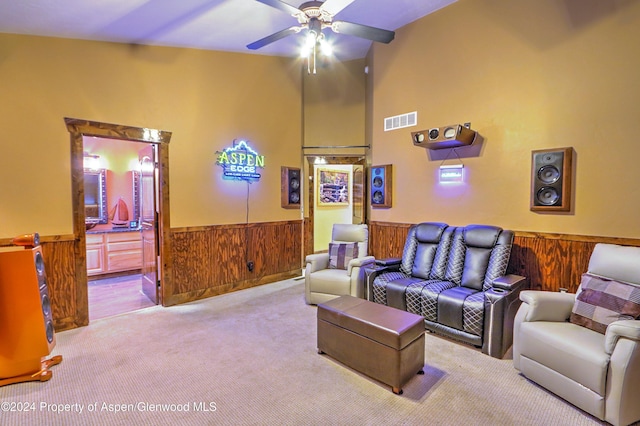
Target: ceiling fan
314	16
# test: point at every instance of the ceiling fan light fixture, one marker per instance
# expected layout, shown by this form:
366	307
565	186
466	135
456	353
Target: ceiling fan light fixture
314	16
325	47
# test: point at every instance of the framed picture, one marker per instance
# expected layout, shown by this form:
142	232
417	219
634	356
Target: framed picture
333	187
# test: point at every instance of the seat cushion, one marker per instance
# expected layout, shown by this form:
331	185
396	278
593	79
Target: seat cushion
450	303
429	298
379	287
602	301
396	290
569	349
330	281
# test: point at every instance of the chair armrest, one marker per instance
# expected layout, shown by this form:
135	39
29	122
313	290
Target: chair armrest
510	282
360	262
547	306
390	261
316	262
628	329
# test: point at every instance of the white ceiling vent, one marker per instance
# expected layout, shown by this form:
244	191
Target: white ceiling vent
400	121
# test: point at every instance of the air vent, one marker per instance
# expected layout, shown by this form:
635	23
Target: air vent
401	121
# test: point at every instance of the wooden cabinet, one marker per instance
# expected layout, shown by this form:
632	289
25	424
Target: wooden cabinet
95	254
113	252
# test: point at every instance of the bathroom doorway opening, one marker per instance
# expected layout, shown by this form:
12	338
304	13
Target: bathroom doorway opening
113	255
121	267
323	215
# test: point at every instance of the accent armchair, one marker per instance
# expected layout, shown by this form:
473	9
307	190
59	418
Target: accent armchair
341	270
585	347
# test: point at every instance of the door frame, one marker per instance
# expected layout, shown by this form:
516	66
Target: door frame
79	128
356	159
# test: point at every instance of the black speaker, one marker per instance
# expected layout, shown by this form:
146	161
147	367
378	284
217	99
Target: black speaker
381	186
25	312
551	175
290	187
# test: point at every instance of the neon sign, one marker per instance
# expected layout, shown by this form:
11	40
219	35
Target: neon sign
240	162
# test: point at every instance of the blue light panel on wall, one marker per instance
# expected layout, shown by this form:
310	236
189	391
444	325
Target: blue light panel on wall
452	174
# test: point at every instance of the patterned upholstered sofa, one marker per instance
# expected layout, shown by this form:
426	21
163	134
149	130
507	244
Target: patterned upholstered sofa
455	277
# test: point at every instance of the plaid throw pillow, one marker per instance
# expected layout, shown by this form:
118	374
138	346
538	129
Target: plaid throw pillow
340	254
604	301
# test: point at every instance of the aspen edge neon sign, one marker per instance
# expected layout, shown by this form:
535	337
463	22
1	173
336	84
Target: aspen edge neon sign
240	162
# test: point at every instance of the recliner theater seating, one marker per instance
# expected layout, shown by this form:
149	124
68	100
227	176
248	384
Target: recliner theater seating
585	347
454	277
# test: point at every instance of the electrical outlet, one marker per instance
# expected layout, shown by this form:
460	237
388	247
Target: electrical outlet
250	266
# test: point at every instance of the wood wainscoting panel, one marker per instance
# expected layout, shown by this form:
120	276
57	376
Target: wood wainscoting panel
59	264
207	257
274	247
205	261
290	247
188	253
212	260
308	237
386	239
549	261
550	264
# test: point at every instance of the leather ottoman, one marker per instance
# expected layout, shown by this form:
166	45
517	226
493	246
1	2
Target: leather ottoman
379	341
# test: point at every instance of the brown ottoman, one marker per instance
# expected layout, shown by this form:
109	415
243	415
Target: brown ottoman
382	342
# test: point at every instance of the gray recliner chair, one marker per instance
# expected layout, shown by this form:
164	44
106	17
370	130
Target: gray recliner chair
341	270
585	347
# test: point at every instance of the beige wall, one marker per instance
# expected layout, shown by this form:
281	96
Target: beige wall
528	75
334	106
206	99
334	112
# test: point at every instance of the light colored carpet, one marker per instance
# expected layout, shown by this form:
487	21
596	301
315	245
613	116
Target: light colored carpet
249	358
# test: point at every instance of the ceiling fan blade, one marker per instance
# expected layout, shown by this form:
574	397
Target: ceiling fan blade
285	7
363	31
333	7
273	37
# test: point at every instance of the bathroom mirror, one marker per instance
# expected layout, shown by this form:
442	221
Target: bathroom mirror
95	196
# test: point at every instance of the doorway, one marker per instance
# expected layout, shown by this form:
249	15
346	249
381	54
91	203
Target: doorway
322	216
120	245
158	140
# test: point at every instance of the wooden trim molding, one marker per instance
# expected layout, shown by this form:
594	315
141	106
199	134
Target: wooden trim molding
78	129
6	242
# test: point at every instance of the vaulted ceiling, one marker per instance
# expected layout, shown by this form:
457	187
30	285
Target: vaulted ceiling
225	25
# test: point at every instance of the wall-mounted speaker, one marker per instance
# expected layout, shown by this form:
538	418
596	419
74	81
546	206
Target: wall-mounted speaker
551	176
381	186
290	187
453	136
27	332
